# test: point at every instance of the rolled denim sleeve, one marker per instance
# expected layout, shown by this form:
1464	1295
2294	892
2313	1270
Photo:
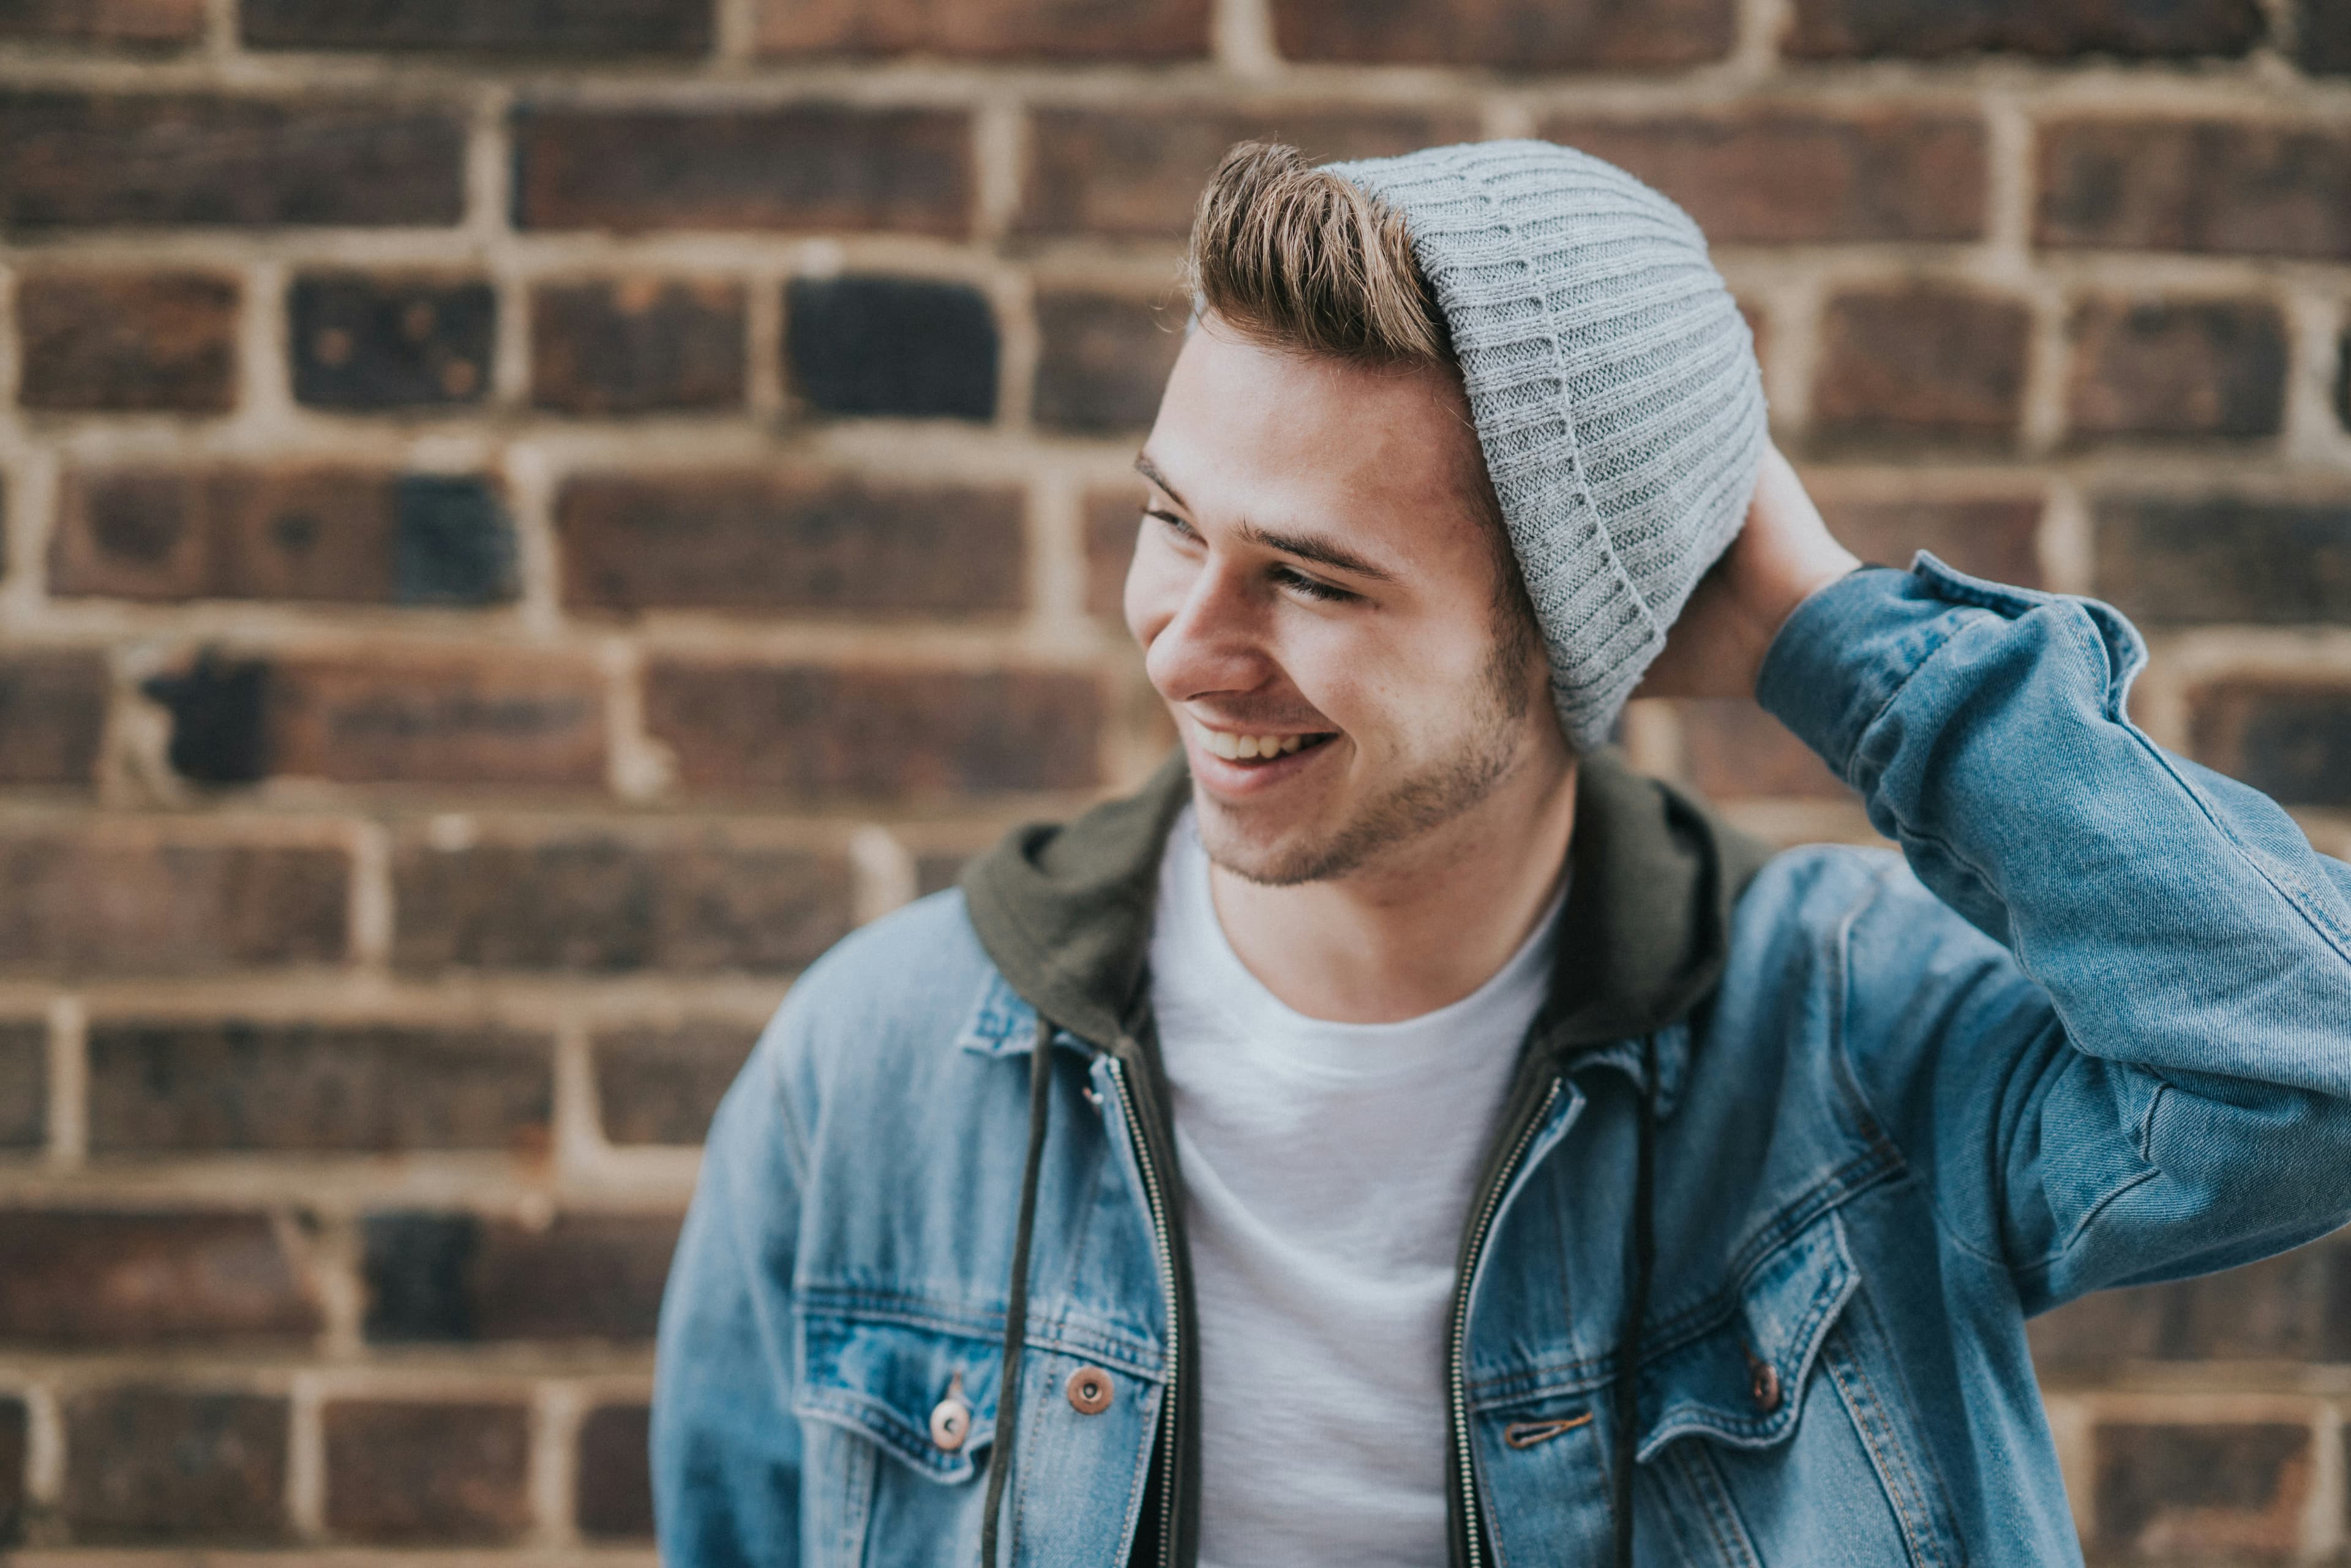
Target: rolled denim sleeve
2150	1075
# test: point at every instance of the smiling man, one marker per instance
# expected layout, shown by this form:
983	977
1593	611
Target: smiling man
1402	1134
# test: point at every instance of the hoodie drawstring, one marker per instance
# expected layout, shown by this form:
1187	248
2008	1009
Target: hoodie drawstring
1637	1303
1016	1295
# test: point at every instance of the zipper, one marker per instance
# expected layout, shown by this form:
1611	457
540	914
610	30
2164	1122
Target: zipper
1456	1359
1157	1203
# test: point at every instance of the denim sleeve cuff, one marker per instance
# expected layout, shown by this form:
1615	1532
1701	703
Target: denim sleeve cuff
1845	652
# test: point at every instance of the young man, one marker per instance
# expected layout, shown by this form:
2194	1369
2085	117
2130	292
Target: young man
1402	1134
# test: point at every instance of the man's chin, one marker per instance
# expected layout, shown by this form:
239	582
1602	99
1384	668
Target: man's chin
1272	853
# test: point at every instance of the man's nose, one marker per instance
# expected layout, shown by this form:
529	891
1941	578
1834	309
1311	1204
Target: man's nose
1213	642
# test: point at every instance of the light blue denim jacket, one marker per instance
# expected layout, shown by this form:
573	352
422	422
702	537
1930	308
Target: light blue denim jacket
2095	1032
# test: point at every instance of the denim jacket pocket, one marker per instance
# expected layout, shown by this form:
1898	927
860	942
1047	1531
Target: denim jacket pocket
887	1379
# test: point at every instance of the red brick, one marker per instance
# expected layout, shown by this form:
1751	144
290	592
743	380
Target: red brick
902	348
1511	35
78	1279
1103	359
1993	536
988	29
2217	186
642	345
443	716
1731	748
2294	1307
128	342
24	1107
413	1473
185	1086
156	1466
145	905
808	167
370	344
53	713
137	23
1920	362
2322	31
785	538
2052	29
1136	172
1777	174
2225	558
453	1278
15	1441
661	1085
2289	738
589	28
604	903
325	534
893	734
2201	1491
2147	368
1113	517
615	1490
77	159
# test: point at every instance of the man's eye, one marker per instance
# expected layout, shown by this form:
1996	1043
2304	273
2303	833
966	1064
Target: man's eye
1177	525
1313	587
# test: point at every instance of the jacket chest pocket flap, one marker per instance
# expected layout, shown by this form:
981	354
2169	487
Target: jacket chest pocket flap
886	1379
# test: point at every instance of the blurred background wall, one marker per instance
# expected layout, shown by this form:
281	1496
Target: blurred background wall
526	519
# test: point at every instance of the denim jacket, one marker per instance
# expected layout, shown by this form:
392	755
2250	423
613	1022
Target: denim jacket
1797	1144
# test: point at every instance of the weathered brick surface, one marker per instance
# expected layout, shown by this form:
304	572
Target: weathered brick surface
134	24
599	903
1075	30
128	342
170	907
413	1473
69	158
2296	1308
178	1465
2054	30
2321	32
188	1086
891	346
14	1440
152	1277
1775	174
810	167
2226	187
2288	736
495	27
52	715
453	1276
809	730
1112	519
1512	34
1920	363
366	343
660	1085
784	540
1993	536
615	1495
1103	357
2201	1491
24	1090
2154	369
2225	558
640	345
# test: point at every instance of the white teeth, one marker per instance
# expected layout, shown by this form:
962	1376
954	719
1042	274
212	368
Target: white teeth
1290	743
1250	748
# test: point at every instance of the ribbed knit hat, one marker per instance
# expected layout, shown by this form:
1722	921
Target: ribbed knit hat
1613	383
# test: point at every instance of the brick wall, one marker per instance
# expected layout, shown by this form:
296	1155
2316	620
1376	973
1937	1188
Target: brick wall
523	522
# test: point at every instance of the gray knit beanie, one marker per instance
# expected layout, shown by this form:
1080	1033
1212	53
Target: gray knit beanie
1613	383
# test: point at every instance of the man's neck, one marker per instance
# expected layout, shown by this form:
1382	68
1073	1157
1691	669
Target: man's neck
1421	927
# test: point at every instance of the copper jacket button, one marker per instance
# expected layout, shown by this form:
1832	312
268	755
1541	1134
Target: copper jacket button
951	1419
1088	1390
1764	1385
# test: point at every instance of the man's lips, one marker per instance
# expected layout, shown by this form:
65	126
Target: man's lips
1217	762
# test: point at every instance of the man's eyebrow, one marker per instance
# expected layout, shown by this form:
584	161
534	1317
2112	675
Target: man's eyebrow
1305	547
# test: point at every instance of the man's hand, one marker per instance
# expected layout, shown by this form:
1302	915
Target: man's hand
1782	553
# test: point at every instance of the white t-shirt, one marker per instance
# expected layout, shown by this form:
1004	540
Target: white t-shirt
1328	1169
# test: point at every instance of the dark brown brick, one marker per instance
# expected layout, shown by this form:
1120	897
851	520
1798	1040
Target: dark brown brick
1509	35
988	29
482	26
1993	536
2293	1307
2225	558
76	159
15	1441
368	344
2050	29
1780	174
2201	1491
640	345
24	1105
1136	172
1731	748
604	903
326	533
1921	362
151	1465
409	1473
810	167
134	24
2289	738
78	1279
2145	368
906	348
2322	31
170	908
615	1490
52	715
936	869
456	1278
819	730
128	342
183	1086
1103	360
443	716
660	1085
788	540
2215	186
1113	516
